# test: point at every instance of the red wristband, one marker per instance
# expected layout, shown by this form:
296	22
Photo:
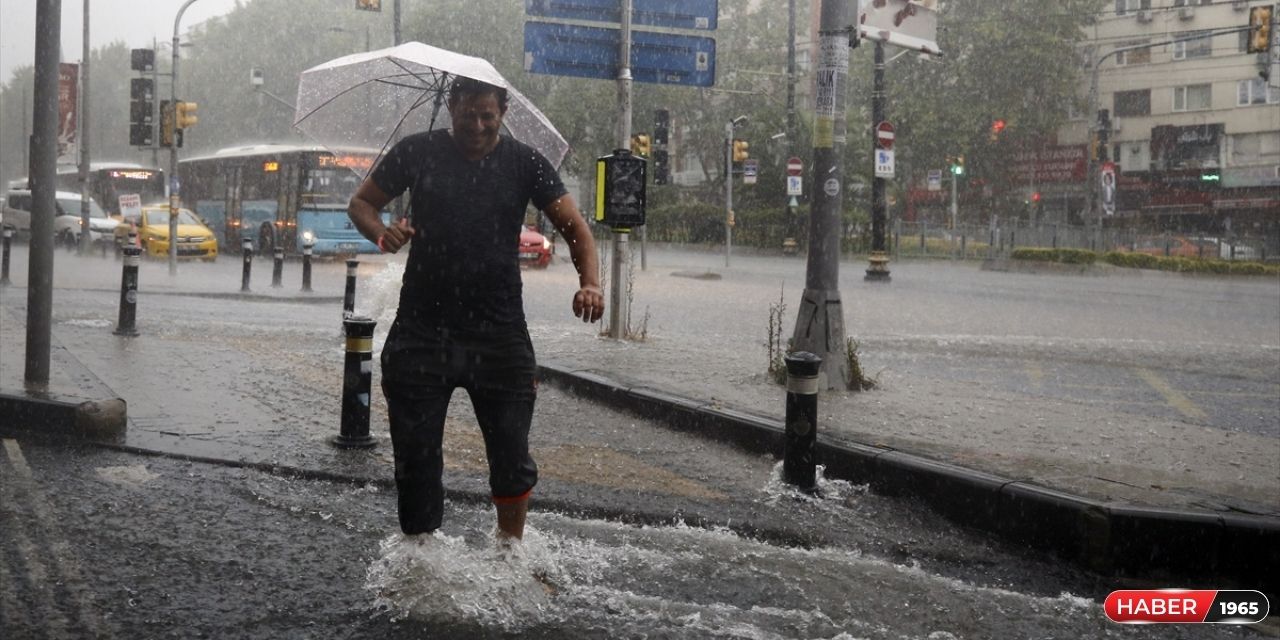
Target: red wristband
380	238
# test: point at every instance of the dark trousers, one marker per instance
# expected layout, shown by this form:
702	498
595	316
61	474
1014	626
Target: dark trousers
421	366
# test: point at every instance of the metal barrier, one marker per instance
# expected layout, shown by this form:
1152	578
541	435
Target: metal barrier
277	268
799	460
357	379
126	326
246	245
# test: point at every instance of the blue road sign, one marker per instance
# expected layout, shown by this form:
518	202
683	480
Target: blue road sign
676	14
592	52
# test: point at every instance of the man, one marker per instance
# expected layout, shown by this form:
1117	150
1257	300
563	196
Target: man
461	321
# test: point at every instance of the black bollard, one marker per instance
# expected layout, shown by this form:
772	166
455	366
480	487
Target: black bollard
246	245
357	376
800	457
129	293
277	269
306	267
4	257
349	298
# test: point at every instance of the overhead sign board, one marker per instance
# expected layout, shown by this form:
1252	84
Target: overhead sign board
675	14
910	24
592	52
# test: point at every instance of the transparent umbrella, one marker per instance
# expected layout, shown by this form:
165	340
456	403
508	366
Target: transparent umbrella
364	102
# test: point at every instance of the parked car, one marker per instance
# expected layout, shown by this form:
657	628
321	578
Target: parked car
535	249
151	226
16	211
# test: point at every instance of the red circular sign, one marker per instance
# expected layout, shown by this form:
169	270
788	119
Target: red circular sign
794	166
884	135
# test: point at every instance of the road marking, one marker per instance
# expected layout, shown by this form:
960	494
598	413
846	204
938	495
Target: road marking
1172	396
1036	374
63	558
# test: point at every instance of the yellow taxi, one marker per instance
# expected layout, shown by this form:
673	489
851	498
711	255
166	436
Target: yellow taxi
151	224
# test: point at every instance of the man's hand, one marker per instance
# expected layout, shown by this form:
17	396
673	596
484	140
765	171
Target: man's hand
588	303
395	236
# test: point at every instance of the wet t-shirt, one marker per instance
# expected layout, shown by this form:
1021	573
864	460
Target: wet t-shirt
463	269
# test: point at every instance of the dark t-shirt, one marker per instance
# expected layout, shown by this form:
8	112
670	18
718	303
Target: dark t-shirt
463	269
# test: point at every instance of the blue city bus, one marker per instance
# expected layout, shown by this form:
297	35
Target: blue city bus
278	196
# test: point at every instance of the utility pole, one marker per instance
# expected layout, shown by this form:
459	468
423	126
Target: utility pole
878	267
155	114
172	187
621	238
820	321
84	116
395	24
43	173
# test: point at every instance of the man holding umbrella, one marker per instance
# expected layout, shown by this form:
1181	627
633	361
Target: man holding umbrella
460	321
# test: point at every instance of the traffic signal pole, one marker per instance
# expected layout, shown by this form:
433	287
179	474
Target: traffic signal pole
43	173
878	267
618	319
820	320
84	117
172	186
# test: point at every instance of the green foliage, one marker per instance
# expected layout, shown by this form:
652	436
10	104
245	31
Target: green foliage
1189	265
858	381
1064	256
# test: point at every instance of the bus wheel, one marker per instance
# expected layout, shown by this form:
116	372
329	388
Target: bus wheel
266	240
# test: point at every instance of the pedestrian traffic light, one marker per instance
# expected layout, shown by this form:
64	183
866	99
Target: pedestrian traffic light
166	124
1035	197
957	165
1260	29
640	145
186	116
620	190
141	124
741	151
997	128
661	167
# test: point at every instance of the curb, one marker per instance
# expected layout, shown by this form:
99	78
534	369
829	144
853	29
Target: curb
1109	538
94	419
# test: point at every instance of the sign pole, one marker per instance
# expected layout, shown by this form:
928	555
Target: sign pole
878	262
820	320
621	247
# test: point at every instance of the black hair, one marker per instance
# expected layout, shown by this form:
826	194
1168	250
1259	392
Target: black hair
463	86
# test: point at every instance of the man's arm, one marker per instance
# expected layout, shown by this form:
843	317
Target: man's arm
364	210
588	302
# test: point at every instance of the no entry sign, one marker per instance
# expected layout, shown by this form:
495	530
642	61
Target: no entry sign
794	166
884	135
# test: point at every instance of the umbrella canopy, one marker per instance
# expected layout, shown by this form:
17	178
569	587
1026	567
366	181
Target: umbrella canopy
364	102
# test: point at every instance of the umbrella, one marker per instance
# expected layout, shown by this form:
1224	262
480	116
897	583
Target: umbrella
364	102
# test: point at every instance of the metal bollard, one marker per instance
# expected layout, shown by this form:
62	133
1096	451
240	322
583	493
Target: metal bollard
129	293
799	460
4	257
357	377
277	269
964	250
349	298
306	267
246	245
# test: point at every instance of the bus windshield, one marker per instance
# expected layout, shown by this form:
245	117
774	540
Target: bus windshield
329	187
147	183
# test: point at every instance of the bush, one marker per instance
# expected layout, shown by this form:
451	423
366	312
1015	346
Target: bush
1188	265
1065	256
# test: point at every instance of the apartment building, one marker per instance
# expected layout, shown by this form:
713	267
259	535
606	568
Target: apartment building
1194	131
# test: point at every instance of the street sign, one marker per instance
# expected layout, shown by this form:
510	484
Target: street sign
592	52
1108	177
130	205
676	14
795	186
884	135
935	179
750	169
909	24
884	163
794	166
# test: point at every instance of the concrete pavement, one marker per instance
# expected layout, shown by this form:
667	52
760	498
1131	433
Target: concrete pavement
1117	492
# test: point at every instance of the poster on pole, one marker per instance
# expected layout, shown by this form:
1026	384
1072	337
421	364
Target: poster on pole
130	206
68	101
1109	188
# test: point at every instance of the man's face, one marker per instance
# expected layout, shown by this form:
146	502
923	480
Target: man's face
476	121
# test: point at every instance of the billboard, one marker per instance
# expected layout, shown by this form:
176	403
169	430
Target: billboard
68	101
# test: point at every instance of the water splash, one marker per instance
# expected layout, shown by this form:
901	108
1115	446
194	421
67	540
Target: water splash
831	492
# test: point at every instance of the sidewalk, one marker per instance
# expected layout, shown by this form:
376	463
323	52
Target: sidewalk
1112	490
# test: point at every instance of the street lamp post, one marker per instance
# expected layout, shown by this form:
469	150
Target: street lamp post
728	184
173	187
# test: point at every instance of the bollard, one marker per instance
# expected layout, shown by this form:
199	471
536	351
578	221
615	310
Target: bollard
349	298
129	293
964	251
357	376
246	245
306	267
277	269
799	460
4	257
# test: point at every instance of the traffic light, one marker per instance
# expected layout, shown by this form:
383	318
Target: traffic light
141	123
167	132
1035	197
1260	29
186	116
957	165
997	128
661	167
142	59
620	190
741	151
661	159
640	145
